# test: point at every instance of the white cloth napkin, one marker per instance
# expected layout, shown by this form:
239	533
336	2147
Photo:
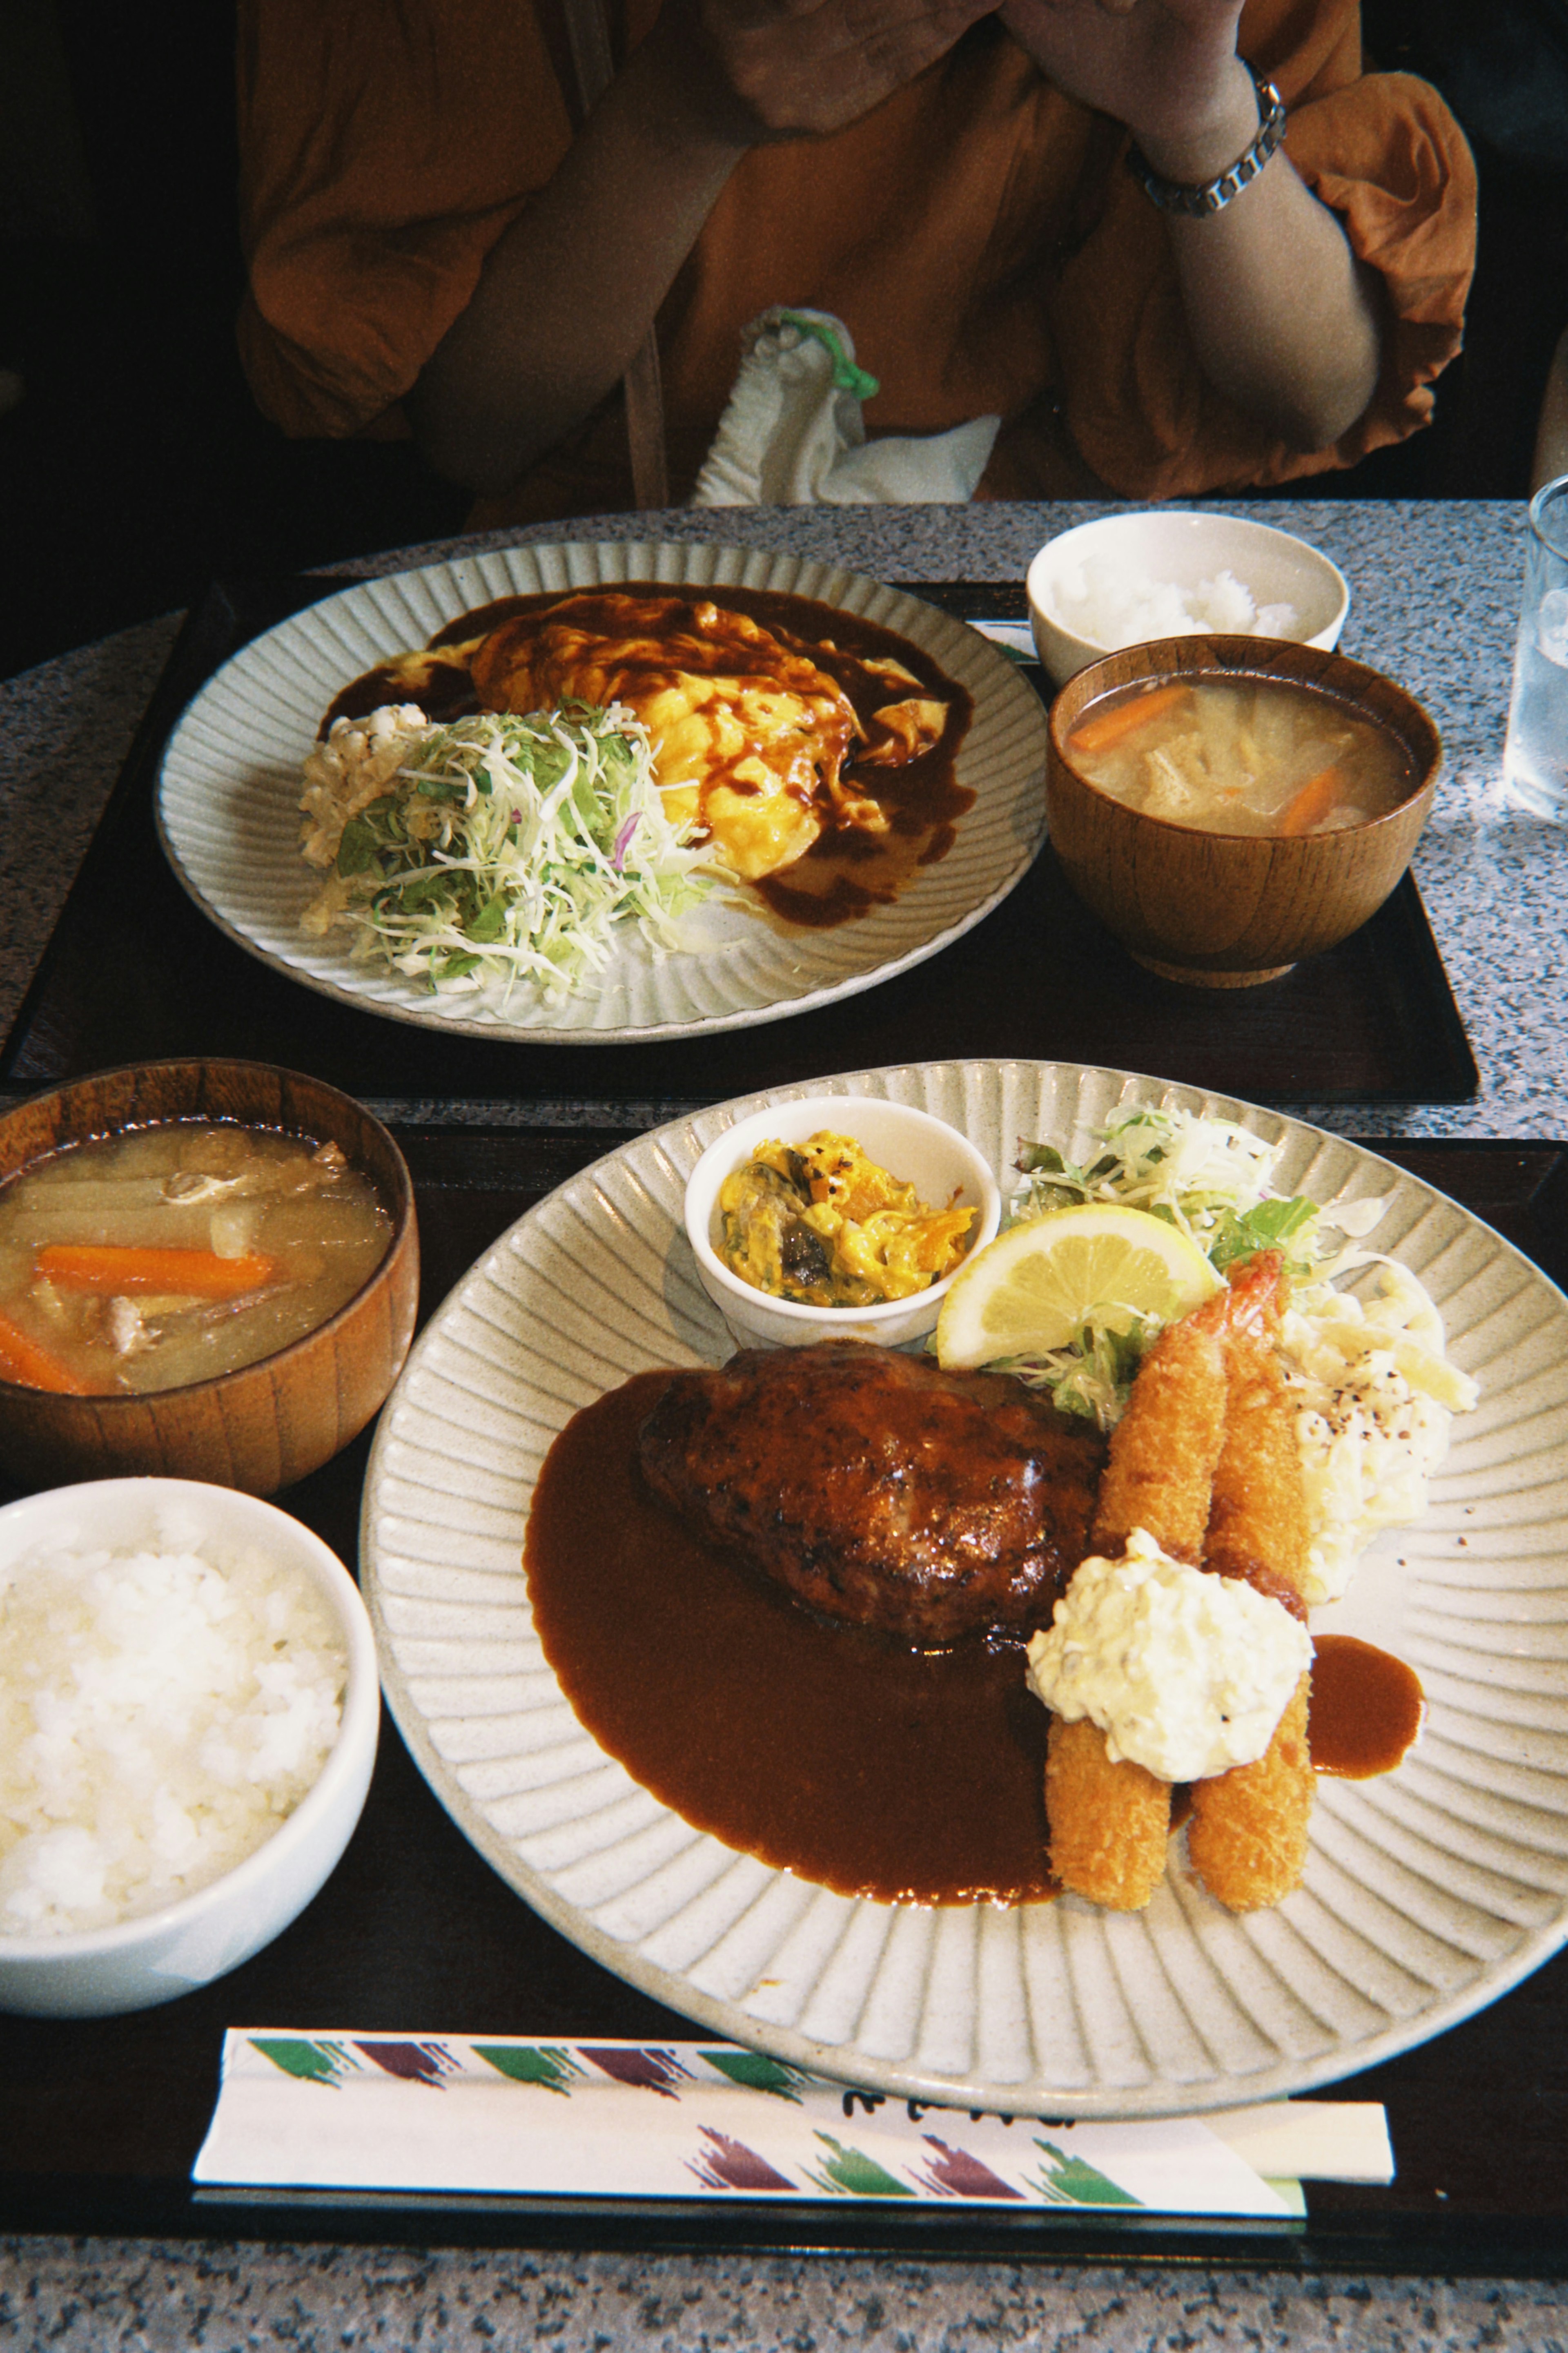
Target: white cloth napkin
336	2109
793	434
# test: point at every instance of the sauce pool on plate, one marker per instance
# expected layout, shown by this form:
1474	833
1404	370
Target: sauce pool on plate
826	1751
1367	1707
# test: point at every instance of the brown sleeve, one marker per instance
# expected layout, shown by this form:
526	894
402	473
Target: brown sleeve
1385	153
1388	158
384	144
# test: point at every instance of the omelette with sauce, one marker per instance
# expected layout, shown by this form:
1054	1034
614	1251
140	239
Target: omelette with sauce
804	742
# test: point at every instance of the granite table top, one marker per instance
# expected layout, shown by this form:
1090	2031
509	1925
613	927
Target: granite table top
1435	594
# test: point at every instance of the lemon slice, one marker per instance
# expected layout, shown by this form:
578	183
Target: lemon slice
1034	1286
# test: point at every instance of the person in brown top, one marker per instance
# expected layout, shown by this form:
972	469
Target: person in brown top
436	245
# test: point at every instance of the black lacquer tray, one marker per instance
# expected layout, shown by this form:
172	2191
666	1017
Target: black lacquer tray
100	2120
135	972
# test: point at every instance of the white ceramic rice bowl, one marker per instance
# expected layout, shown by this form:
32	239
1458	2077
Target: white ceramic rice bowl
911	1145
1182	549
153	1958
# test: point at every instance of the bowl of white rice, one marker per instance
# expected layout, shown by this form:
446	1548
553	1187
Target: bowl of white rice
189	1708
1129	579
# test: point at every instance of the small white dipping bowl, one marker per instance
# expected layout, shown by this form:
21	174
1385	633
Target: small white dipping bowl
161	1955
1156	547
909	1145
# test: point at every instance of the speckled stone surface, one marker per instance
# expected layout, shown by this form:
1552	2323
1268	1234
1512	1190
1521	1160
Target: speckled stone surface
122	2297
1435	595
65	730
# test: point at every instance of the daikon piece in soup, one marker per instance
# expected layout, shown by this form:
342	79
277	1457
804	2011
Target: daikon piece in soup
172	1253
1261	755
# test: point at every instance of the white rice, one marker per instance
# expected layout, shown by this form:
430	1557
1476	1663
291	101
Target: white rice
161	1714
1111	607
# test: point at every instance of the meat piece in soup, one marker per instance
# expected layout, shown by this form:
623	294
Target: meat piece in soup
1241	756
172	1253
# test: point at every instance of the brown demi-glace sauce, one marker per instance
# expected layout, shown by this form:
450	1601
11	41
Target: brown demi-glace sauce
842	875
825	1750
1367	1707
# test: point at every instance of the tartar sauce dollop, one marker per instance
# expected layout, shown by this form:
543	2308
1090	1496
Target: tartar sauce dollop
1186	1672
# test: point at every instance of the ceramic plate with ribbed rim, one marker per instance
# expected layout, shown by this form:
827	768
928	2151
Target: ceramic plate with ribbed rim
229	790
1428	1893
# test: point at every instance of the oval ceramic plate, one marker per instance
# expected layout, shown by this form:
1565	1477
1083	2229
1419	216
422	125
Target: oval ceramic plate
1428	1893
229	790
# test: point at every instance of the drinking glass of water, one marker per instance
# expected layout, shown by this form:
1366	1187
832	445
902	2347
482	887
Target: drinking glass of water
1535	758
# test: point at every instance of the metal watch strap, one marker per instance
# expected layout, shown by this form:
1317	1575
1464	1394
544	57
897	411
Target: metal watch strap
1213	195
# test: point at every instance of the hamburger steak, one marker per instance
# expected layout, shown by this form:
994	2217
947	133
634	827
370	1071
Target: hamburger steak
877	1489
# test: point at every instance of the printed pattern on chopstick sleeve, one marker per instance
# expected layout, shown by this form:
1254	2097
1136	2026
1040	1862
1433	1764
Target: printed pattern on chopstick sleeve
529	2116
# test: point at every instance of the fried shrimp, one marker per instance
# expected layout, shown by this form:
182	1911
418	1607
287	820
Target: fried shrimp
1202	1458
1258	1509
1110	1822
1247	1837
1247	1842
1164	1447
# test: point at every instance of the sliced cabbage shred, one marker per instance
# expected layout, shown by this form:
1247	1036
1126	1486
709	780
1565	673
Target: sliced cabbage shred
509	848
1212	1179
1206	1176
1373	1386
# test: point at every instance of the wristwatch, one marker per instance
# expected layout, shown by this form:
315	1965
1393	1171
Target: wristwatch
1213	195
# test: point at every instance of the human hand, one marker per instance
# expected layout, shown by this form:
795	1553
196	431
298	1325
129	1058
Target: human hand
759	71
1167	69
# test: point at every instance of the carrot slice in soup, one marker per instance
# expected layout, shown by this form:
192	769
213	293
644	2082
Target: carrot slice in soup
1312	805
27	1361
121	1271
1108	727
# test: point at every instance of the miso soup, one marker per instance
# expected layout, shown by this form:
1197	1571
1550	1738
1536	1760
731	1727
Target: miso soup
1261	755
171	1254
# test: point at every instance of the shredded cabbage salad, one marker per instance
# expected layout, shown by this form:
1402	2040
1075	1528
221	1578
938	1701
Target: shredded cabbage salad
509	848
1206	1176
1374	1388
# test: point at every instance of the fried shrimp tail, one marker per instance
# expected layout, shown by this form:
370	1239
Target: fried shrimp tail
1247	1842
1252	1298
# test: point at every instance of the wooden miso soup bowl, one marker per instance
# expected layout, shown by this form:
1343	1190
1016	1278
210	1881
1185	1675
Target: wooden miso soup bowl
267	1424
1229	910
